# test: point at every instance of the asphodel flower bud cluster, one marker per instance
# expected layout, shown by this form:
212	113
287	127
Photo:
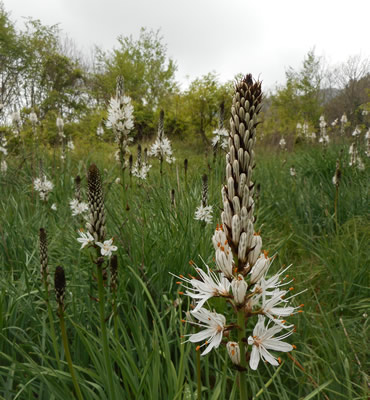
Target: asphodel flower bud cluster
238	214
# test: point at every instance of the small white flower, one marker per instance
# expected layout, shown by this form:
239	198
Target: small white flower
78	207
263	340
334	123
43	186
70	145
221	136
3	166
85	238
282	143
344	119
293	172
54	207
234	352
117	181
100	130
356	132
141	171
204	214
33	118
214	325
60	124
209	285
365	112
106	248
3	150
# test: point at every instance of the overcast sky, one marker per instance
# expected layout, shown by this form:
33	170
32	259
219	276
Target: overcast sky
263	37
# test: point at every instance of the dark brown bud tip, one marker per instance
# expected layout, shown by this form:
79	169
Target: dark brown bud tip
59	284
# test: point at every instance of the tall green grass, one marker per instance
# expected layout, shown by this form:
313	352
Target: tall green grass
150	360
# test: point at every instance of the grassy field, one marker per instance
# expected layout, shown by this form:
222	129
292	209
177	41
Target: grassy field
154	237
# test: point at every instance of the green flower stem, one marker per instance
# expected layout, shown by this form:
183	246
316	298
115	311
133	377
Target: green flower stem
336	207
52	328
241	374
199	379
68	354
111	391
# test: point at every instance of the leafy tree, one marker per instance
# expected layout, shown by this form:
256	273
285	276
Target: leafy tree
203	99
301	97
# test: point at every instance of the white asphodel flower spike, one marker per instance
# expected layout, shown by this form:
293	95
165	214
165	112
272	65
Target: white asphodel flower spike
214	325
209	285
106	248
263	340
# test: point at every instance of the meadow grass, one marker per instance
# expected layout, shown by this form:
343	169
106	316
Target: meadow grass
154	237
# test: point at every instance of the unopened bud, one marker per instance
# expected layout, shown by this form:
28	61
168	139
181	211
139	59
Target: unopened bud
234	352
239	288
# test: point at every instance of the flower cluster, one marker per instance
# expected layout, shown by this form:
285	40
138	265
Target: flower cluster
120	120
86	239
162	148
78	207
16	122
3	152
204	211
220	138
141	171
255	294
355	159
324	137
367	143
282	143
43	186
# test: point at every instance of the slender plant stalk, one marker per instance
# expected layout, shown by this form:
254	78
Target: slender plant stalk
104	335
199	379
336	207
241	373
68	354
53	335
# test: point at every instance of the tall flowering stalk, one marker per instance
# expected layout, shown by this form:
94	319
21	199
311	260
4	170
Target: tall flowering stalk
220	138
241	278
336	182
343	122
62	136
161	148
141	169
3	153
120	120
44	272
60	288
324	137
95	237
204	211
